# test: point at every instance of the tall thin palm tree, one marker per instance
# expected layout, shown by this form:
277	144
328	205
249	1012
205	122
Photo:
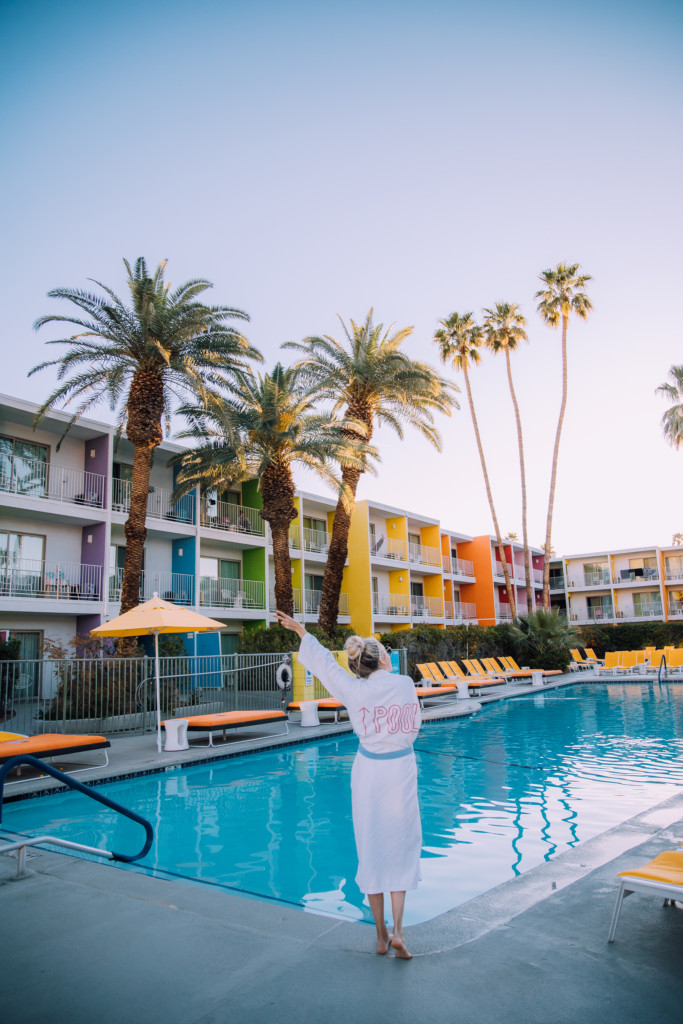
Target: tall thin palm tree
672	420
459	339
561	297
259	430
165	345
370	379
504	330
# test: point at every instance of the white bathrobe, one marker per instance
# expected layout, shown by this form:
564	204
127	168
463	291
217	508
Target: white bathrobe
385	715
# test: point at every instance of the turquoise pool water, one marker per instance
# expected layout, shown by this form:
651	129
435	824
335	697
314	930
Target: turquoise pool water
500	792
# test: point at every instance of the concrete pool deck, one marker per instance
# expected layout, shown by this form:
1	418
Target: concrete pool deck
85	942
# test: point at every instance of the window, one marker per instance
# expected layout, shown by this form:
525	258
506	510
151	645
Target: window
21	550
23	466
414	538
122	471
313	587
30	643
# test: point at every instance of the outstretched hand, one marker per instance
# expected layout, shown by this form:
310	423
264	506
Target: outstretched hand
289	623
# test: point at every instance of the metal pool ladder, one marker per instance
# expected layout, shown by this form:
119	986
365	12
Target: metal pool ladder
22	844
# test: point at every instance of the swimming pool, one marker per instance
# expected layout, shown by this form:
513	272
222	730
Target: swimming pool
500	792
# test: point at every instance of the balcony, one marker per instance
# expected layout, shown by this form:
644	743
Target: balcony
294	538
588	615
312	600
32	478
638	576
591	579
422	555
177	587
426	607
61	581
159	503
223	515
460	611
296	594
316	542
386	547
226	593
391	605
673	569
462	567
643	610
676	609
556	583
503	613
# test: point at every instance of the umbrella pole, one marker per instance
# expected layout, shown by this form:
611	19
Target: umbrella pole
158	695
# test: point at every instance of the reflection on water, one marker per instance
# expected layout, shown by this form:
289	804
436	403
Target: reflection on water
500	792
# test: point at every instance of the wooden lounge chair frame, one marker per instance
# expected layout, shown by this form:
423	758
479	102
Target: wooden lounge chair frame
51	745
225	720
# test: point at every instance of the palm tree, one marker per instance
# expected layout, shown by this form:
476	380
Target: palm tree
259	430
459	339
504	329
672	420
165	345
373	382
561	296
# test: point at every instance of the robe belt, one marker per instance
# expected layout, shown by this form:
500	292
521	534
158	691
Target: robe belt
389	755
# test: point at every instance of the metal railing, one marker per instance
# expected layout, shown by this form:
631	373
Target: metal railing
117	695
676	609
647	610
64	581
503	613
605	614
226	593
296	595
556	582
37	479
636	576
223	515
463	567
391	604
160	504
387	547
294	538
424	555
171	586
673	569
460	611
426	607
312	600
316	541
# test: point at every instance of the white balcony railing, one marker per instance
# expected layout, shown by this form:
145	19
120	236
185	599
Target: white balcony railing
159	502
312	600
463	567
673	569
223	515
226	593
387	547
295	538
296	594
37	479
503	613
676	609
316	541
604	614
426	607
556	582
460	611
645	610
65	581
537	577
424	555
391	605
177	587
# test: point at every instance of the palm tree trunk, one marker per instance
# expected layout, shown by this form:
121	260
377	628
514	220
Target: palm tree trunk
553	474
522	476
499	542
144	411
337	554
277	489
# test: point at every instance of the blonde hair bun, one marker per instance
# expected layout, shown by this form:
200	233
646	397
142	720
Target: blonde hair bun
354	646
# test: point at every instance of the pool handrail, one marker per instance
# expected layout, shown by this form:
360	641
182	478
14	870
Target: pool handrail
72	783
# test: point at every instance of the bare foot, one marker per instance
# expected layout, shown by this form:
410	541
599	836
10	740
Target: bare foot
399	948
383	944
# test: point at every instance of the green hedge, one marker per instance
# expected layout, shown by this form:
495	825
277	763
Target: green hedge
429	643
277	640
631	636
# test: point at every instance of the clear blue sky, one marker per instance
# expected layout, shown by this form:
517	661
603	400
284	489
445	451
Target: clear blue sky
420	157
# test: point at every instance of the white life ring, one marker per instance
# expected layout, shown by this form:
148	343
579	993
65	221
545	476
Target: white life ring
283	677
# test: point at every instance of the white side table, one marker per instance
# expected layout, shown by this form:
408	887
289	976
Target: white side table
537	678
176	734
309	713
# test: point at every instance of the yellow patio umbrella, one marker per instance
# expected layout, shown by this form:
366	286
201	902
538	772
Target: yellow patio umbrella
152	618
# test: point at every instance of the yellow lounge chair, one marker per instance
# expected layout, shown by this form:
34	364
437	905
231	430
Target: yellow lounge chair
611	662
627	662
474	668
592	656
578	661
663	876
520	672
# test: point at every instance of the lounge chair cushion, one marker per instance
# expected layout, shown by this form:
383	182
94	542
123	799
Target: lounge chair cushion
231	719
50	744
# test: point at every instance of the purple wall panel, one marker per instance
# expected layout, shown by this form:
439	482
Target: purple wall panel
94	553
100	462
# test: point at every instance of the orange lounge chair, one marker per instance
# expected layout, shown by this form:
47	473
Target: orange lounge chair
432	673
54	745
233	720
323	705
434	692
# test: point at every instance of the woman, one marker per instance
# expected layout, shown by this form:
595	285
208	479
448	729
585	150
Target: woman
385	715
